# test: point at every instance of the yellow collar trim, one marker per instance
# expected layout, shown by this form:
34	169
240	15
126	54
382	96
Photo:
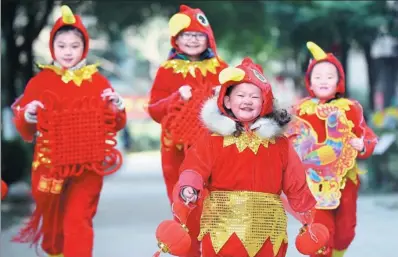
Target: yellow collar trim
246	140
185	67
310	106
77	76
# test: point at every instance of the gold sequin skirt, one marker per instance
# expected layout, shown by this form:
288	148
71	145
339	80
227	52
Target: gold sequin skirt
253	216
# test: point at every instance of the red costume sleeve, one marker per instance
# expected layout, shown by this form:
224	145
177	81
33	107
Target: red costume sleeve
120	114
295	185
161	95
25	129
196	167
362	130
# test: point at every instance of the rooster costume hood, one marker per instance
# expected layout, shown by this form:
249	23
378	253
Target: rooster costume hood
189	19
320	56
216	118
69	19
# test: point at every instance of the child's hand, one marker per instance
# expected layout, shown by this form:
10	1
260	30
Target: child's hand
189	194
358	144
185	92
114	97
30	113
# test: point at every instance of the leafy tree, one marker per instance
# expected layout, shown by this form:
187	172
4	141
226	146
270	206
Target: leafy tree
229	20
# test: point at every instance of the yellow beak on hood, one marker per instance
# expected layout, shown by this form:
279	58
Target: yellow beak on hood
67	15
178	22
316	51
231	74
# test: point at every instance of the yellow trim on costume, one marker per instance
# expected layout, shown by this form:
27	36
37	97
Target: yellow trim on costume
309	106
184	67
253	216
58	255
247	140
178	22
77	76
337	253
231	74
168	142
50	185
316	51
67	15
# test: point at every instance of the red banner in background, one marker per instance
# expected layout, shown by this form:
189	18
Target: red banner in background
136	106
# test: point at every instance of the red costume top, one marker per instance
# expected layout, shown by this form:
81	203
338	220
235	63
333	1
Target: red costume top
327	142
245	174
174	73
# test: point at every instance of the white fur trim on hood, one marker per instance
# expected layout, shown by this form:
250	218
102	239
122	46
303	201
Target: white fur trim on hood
218	123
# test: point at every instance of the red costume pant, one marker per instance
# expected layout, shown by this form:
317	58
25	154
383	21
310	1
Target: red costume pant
71	231
342	221
234	248
171	162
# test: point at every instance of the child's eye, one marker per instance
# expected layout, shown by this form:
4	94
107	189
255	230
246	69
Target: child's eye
74	47
255	97
61	46
241	95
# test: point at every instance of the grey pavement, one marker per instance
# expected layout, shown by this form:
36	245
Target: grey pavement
133	202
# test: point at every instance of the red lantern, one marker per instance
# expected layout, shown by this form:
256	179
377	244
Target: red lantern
4	190
173	238
312	239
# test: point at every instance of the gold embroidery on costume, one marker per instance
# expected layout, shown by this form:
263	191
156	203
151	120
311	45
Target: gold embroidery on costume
184	66
77	76
254	217
247	140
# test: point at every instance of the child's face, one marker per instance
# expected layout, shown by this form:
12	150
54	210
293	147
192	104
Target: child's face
68	48
324	78
245	102
192	43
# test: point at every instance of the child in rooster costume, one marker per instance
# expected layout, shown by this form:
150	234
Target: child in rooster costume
241	167
186	78
331	134
73	114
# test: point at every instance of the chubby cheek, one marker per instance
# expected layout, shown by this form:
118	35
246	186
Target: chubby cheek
78	54
257	108
203	46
